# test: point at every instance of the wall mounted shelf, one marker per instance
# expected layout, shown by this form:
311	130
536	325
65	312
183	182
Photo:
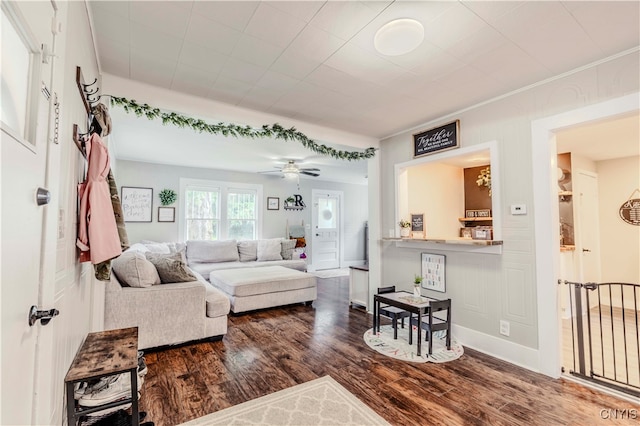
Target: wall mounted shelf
449	244
475	219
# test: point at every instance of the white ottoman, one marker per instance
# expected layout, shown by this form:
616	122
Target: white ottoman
258	288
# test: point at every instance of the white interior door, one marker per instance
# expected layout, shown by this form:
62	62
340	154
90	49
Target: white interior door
325	247
585	194
24	127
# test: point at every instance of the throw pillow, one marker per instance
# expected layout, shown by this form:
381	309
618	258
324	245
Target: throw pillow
269	250
300	242
134	270
168	247
138	247
170	267
200	251
286	250
179	248
248	250
158	247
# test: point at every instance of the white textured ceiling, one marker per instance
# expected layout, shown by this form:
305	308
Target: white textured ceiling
314	61
604	140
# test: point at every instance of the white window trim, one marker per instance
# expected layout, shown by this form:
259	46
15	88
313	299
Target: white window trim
223	187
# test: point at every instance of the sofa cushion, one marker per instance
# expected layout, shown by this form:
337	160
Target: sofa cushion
248	250
218	303
206	268
199	251
269	250
134	270
170	267
286	250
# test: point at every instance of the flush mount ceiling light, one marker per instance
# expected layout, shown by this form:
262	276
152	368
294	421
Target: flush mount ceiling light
398	37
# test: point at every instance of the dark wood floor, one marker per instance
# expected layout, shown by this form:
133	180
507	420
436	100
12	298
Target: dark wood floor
271	350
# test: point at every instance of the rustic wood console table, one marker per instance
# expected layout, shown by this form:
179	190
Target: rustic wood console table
104	354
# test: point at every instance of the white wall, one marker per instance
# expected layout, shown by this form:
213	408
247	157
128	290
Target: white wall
487	288
160	176
619	241
437	190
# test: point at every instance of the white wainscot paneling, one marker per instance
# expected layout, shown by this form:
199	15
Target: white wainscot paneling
517	241
518	290
477	273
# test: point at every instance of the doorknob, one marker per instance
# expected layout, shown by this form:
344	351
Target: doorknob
43	196
586	250
43	316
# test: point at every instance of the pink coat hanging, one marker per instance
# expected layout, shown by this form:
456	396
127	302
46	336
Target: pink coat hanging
98	238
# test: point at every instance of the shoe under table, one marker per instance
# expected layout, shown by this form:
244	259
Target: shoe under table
249	289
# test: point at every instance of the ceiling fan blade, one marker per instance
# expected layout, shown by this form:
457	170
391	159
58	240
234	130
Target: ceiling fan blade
305	172
271	171
310	170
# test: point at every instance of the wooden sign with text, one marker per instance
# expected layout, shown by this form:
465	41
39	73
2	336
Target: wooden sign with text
438	139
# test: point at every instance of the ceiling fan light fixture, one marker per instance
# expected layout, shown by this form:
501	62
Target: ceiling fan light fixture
290	170
398	37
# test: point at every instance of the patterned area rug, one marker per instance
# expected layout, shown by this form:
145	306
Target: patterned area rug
319	402
331	273
401	349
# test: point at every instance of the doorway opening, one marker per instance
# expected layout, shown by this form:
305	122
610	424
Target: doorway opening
547	218
327	225
599	336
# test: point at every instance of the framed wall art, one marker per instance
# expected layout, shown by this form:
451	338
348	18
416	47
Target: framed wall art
166	214
136	203
273	203
433	268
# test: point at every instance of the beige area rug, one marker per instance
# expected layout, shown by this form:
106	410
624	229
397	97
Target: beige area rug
319	402
400	348
331	273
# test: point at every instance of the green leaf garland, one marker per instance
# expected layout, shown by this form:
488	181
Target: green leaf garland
229	129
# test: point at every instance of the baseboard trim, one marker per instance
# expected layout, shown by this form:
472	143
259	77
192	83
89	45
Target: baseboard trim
344	264
513	353
347	263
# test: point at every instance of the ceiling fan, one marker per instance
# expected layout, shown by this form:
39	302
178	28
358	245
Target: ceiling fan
292	170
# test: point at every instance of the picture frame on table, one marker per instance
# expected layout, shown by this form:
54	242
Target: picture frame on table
273	203
417	226
166	214
137	203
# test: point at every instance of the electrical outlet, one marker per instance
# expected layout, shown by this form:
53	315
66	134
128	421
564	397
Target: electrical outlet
504	327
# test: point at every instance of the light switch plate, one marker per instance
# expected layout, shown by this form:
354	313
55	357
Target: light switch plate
518	209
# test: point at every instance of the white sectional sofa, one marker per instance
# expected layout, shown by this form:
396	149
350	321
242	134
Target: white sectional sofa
169	312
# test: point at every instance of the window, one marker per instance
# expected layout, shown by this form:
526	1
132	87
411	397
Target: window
202	214
241	214
219	210
19	75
